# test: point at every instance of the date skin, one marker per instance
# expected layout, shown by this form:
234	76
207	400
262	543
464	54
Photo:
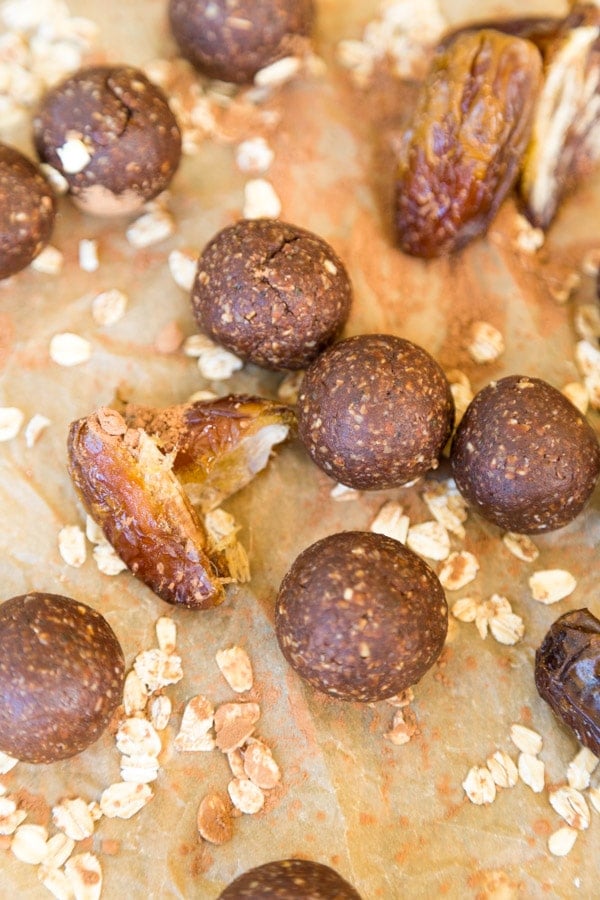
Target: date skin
567	674
462	153
217	445
127	485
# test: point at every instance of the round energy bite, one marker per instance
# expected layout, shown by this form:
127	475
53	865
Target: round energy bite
524	456
375	411
27	211
290	879
112	135
360	617
232	41
61	676
273	293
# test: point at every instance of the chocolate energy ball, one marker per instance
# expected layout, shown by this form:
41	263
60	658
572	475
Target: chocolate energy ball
273	293
360	617
112	135
290	879
375	411
61	676
524	456
233	40
27	211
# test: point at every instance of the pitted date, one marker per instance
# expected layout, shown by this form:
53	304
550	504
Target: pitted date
567	674
462	152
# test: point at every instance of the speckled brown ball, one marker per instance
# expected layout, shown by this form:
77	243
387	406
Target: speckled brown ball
27	211
524	456
61	676
272	293
111	133
360	617
233	40
290	879
375	411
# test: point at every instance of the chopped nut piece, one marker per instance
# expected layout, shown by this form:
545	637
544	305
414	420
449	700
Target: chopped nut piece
561	842
259	765
137	736
123	800
236	668
34	428
460	569
150	228
391	522
49	261
486	343
479	786
71	545
429	539
157	669
29	843
570	804
197	720
166	634
182	267
69	349
215	822
261	200
580	769
521	546
74	818
551	585
11	420
526	740
532	772
85	876
135	695
245	795
109	307
58	849
503	770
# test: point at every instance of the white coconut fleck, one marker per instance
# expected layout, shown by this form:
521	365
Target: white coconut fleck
73	155
109	306
254	156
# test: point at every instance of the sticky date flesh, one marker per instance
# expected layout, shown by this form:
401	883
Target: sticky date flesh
567	674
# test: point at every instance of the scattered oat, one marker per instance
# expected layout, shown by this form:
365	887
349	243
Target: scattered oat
521	546
341	493
88	255
74	155
404	727
58	849
182	267
245	795
56	179
34	429
123	799
570	804
254	156
235	758
157	669
261	200
109	306
11	420
594	798
526	739
10	816
139	769
479	786
507	628
486	343
196	723
135	695
462	392
561	842
391	522
29	843
55	880
74	818
532	772
214	820
150	228
277	73
260	766
68	349
289	387
214	362
465	609
236	668
551	585
166	634
234	724
581	768
93	531
6	763
160	711
459	570
106	559
71	545
587	321
137	737
578	395
85	876
429	539
447	506
49	261
503	770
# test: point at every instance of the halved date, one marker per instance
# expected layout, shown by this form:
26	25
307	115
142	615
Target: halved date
462	153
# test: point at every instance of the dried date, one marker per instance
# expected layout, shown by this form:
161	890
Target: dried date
462	152
567	674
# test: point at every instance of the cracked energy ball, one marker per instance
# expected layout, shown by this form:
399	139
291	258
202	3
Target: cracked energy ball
524	456
272	293
233	40
111	133
27	211
375	411
290	879
360	617
61	676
